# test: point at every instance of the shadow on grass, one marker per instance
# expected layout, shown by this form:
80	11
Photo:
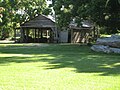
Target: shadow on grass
71	56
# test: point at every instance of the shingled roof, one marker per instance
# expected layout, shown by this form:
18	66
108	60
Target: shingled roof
41	21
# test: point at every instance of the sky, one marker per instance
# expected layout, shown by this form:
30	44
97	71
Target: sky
49	2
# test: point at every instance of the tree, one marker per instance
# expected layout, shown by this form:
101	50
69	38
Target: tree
17	12
1	10
63	12
113	22
101	12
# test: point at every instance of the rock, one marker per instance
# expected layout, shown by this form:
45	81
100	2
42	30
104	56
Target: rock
108	45
115	50
115	36
105	49
101	48
113	41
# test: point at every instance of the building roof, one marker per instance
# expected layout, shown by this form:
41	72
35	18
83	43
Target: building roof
86	25
41	21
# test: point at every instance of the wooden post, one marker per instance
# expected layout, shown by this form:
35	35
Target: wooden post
34	35
41	33
71	35
51	36
27	35
38	35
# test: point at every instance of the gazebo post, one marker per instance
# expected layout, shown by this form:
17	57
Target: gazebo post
24	35
27	34
41	33
35	35
38	35
51	36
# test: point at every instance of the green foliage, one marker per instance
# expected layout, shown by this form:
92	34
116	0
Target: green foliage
1	10
47	11
105	13
17	12
63	12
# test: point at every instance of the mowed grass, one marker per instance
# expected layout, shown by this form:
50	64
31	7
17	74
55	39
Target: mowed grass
57	67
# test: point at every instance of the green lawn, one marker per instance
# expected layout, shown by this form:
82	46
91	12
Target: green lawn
57	67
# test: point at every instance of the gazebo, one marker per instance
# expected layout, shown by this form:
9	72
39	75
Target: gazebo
40	29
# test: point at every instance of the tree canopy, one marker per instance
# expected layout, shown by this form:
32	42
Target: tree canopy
15	12
105	13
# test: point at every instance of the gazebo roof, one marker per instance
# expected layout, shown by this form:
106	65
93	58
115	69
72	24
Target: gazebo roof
41	21
86	25
81	28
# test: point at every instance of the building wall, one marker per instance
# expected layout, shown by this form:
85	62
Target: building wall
80	36
63	36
